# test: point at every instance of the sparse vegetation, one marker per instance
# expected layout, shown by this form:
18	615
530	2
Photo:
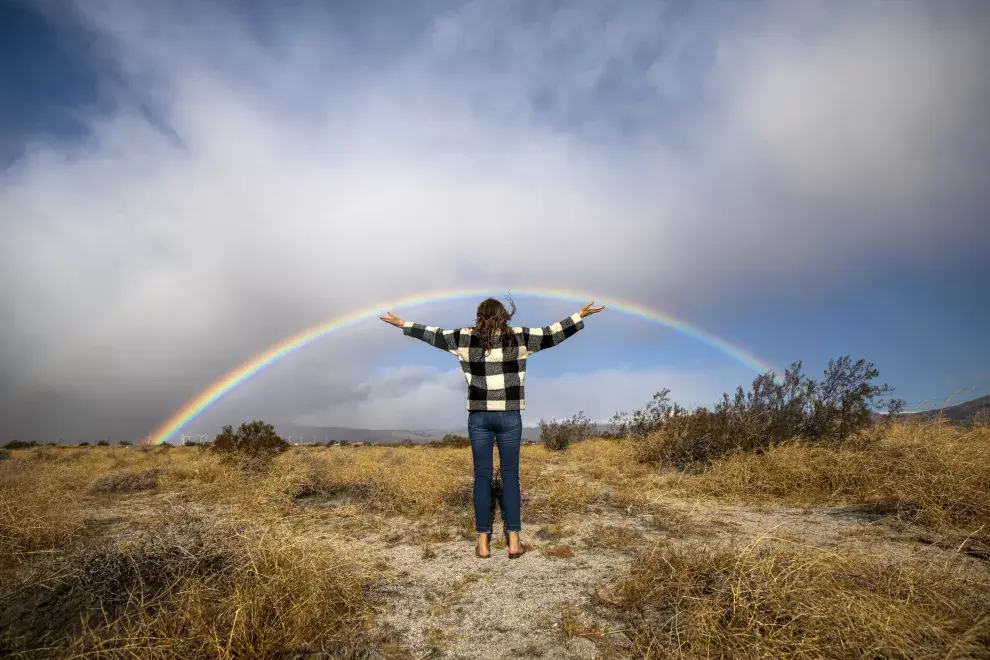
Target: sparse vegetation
779	600
110	552
559	435
935	474
188	588
128	481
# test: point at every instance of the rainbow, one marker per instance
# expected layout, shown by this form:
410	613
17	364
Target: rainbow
195	406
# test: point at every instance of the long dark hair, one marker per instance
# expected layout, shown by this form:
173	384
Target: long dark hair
493	319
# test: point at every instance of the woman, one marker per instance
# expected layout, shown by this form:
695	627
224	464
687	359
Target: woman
493	358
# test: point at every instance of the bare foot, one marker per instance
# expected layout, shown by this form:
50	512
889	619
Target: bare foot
514	542
483	548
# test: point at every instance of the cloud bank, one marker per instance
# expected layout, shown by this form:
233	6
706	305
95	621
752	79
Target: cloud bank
260	173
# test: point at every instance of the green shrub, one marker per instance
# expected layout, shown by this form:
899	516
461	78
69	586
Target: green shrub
253	445
646	420
832	411
20	444
451	440
558	435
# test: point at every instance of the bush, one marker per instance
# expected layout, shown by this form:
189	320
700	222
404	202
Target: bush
254	444
125	443
647	420
20	444
83	444
102	443
451	440
832	411
4	454
558	435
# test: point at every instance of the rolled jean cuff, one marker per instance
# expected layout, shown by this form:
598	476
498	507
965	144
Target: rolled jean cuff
483	531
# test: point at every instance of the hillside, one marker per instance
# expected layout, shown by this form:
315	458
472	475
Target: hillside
960	412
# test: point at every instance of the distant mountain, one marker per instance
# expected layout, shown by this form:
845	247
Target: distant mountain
297	434
961	412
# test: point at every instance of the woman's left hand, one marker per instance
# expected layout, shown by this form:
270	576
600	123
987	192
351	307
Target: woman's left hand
590	309
393	319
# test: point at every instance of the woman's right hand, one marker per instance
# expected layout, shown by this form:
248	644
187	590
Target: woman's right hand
393	320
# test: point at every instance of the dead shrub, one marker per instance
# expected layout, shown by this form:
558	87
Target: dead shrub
558	551
782	601
128	481
613	537
297	475
190	589
935	474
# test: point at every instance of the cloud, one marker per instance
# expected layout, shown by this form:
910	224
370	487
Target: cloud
260	173
420	397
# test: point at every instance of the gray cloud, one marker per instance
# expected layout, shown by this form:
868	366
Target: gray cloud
418	397
726	153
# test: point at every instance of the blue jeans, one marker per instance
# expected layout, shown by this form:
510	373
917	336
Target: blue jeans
504	428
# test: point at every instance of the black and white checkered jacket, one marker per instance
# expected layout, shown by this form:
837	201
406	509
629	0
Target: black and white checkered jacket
495	381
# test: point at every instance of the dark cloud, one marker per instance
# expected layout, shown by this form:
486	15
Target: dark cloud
251	183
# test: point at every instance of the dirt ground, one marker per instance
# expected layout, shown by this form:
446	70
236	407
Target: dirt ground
437	600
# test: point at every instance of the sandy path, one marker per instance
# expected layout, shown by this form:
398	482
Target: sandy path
443	602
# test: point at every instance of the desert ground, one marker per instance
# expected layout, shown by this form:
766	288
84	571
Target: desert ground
878	550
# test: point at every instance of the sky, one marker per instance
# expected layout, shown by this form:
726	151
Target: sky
185	184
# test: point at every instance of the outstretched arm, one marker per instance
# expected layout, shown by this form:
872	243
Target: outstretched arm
445	340
536	339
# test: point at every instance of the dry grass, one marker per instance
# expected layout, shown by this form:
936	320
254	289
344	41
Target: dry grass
558	551
128	481
259	574
613	537
935	474
777	600
189	588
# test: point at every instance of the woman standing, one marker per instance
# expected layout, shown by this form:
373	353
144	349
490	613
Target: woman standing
493	358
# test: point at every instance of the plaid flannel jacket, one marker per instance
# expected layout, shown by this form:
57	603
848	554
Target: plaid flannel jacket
495	381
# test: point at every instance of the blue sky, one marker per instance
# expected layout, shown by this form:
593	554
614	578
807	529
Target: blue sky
184	185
